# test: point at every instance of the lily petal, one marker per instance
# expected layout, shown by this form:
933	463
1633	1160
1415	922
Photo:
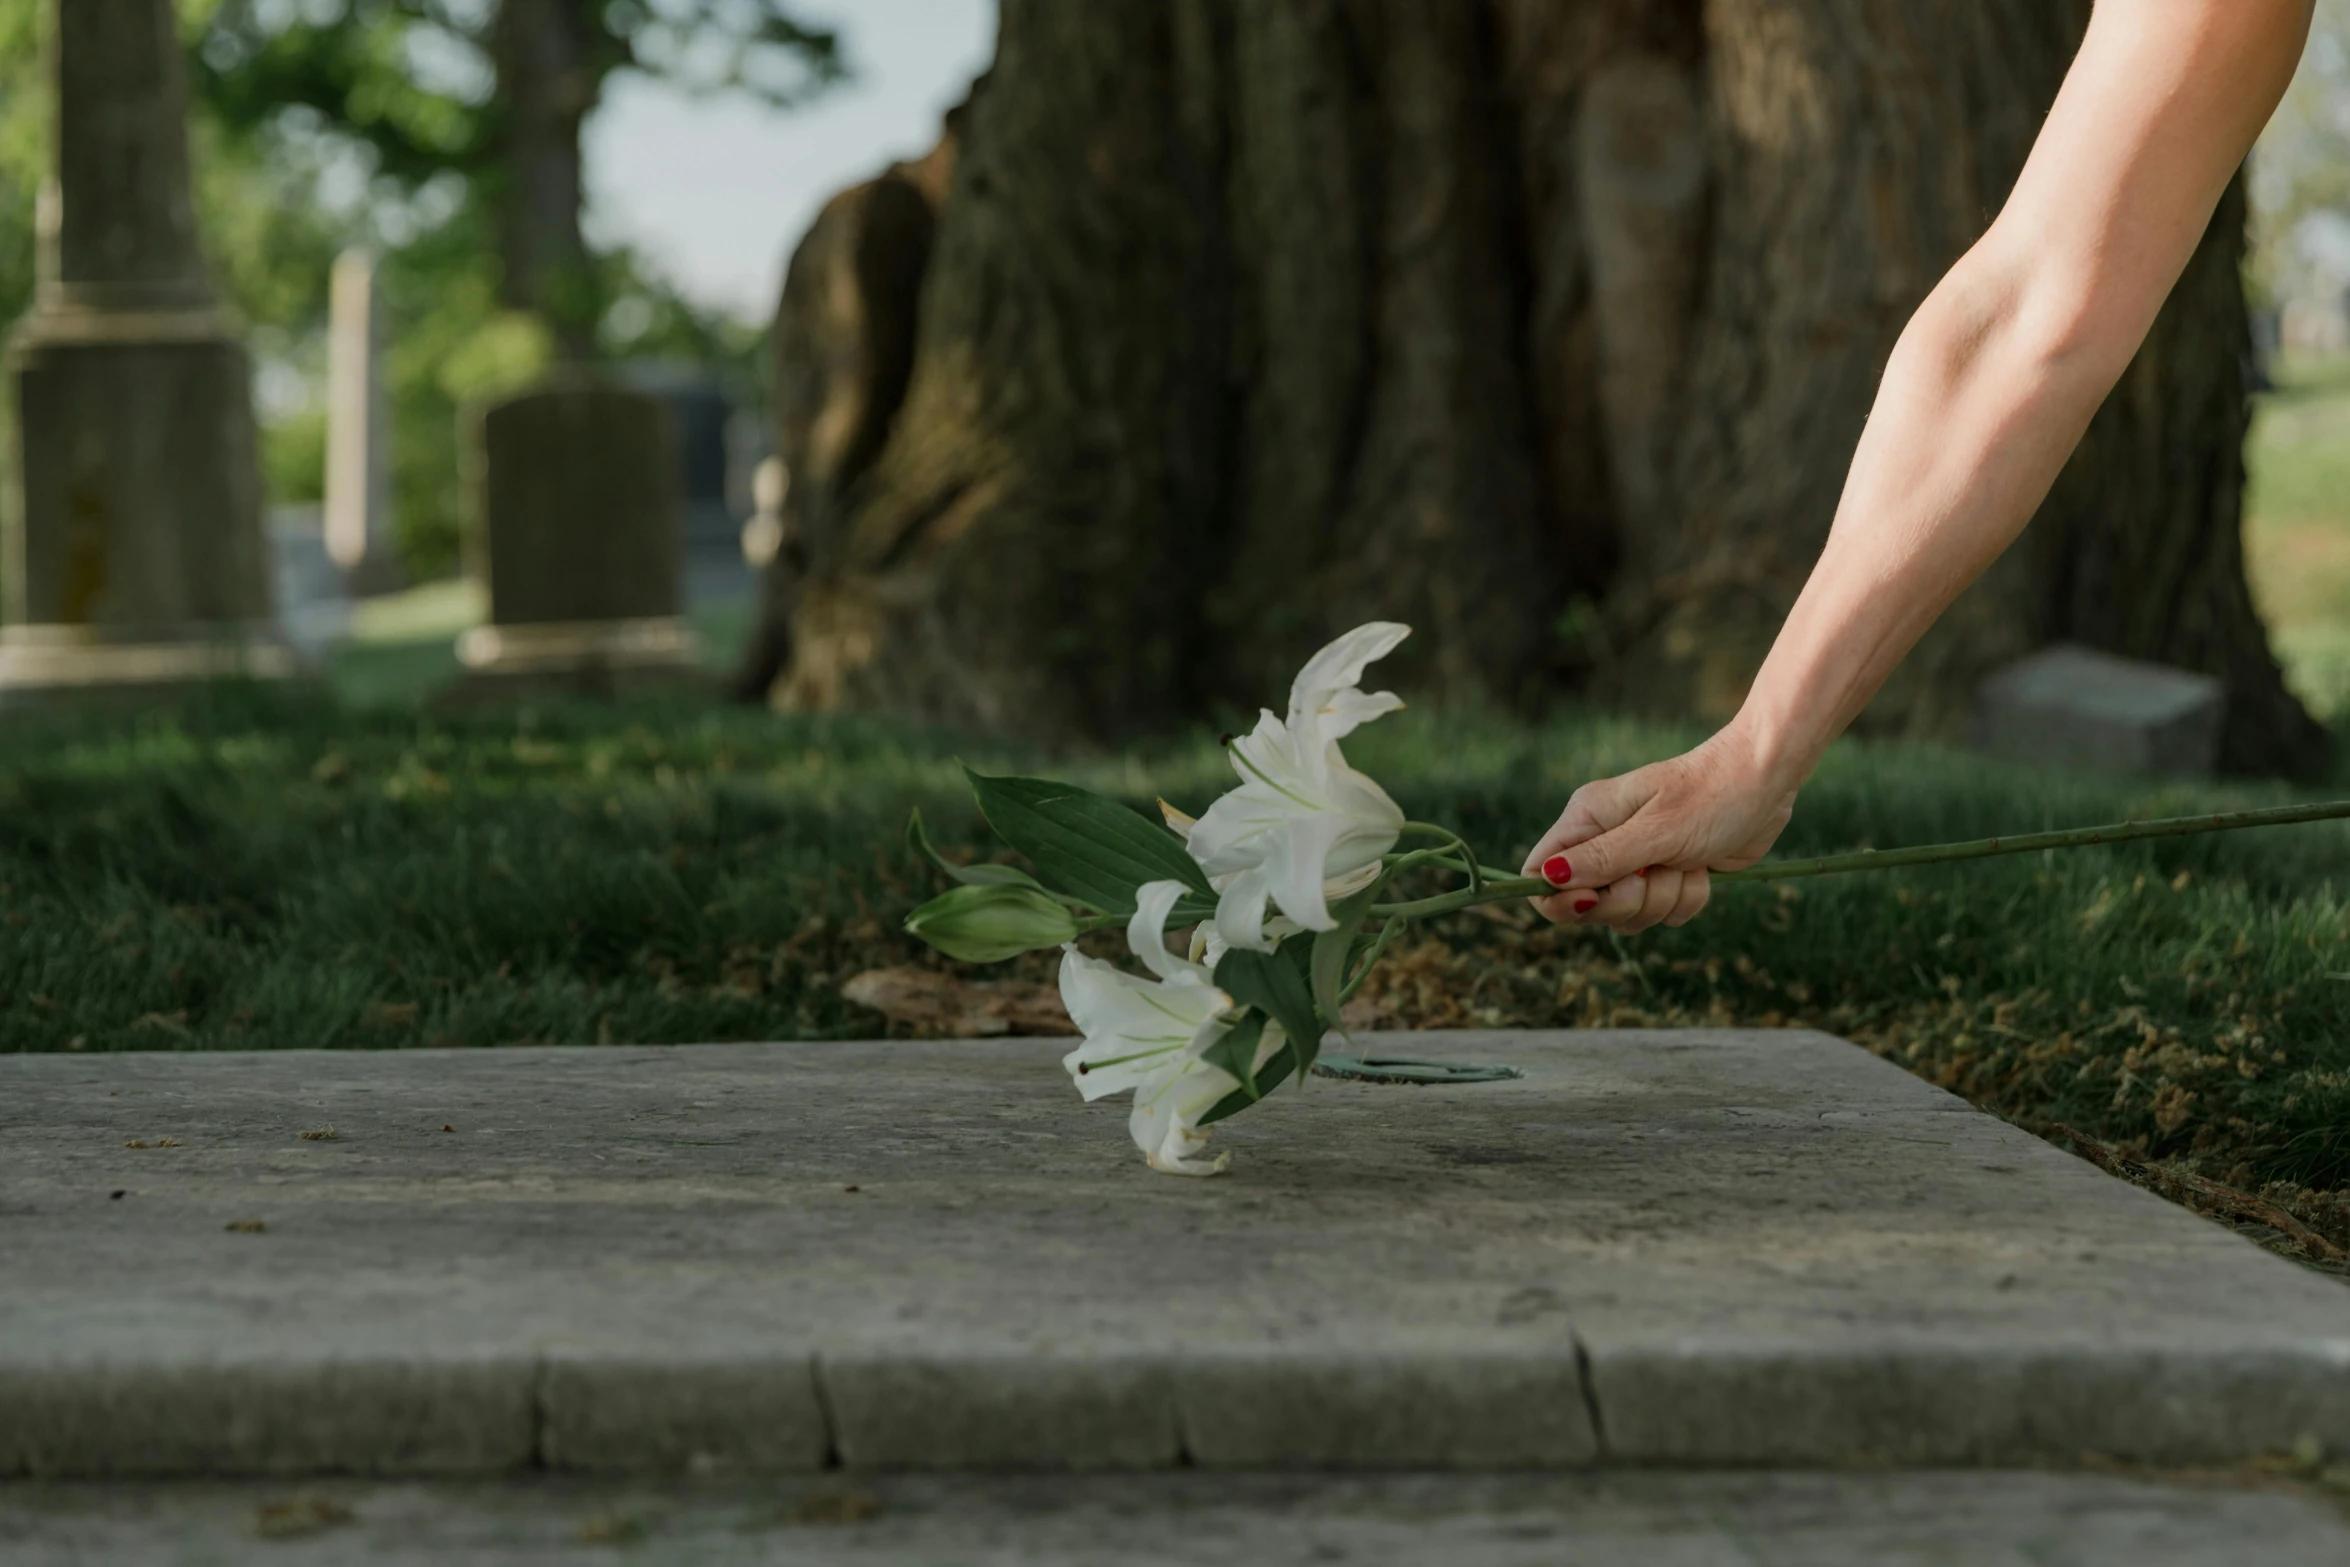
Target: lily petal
1240	910
1340	666
1165	1120
1137	1031
1294	870
1146	933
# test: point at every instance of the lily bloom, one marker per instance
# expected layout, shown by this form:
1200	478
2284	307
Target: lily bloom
1303	826
1147	1035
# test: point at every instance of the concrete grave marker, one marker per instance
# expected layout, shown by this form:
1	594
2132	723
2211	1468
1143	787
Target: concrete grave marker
358	521
579	538
132	551
2076	707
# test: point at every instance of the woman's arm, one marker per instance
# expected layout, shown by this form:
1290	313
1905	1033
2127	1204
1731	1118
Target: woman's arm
1985	396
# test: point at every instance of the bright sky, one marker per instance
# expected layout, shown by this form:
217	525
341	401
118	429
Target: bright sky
719	190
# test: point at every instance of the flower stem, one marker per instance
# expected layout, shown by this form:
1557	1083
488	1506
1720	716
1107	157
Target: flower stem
1496	891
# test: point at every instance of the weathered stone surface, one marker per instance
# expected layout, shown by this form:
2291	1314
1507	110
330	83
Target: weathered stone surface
579	541
131	543
1655	1247
2077	707
126	231
141	491
1739	1519
358	512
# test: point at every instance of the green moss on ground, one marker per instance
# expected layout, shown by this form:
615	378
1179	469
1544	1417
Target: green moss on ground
269	870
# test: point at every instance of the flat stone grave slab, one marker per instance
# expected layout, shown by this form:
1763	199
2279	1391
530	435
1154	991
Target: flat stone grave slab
1692	1247
1618	1518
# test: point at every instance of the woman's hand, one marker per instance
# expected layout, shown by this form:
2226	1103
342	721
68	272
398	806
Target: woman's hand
1633	851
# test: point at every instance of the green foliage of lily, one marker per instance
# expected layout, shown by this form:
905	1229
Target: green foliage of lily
1093	849
983	924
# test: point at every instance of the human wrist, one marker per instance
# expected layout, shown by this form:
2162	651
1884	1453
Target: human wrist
1771	756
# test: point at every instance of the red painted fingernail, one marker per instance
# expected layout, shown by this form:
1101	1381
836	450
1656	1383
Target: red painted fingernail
1641	872
1586	905
1557	871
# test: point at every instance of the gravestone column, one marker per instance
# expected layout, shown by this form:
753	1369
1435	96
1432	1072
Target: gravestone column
131	554
358	431
579	540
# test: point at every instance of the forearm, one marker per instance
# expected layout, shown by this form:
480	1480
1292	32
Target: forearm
1982	401
2000	371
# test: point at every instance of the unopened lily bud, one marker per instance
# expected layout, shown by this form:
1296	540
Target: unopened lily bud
990	924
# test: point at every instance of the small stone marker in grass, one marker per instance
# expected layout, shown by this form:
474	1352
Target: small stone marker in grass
578	540
2076	707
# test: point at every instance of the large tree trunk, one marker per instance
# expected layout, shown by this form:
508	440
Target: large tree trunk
1546	327
547	83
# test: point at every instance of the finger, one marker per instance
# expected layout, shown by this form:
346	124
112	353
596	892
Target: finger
1617	903
1660	893
1591	810
1696	892
1623	852
1566	908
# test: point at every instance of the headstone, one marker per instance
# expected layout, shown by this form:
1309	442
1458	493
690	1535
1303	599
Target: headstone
2076	707
578	543
132	553
313	602
358	431
701	412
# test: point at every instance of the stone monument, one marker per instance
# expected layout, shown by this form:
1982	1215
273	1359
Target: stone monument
358	432
579	540
131	555
2072	706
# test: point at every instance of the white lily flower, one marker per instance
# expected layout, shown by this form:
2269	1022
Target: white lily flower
1147	1035
1302	823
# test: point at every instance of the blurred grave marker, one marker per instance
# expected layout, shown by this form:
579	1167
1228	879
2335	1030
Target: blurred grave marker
704	417
358	432
578	540
133	546
2076	707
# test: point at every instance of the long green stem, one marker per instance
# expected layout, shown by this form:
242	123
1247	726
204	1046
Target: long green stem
1496	891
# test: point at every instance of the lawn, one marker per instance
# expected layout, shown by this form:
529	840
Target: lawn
2297	526
267	869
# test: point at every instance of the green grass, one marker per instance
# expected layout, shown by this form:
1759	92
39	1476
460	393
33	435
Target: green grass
271	869
2297	527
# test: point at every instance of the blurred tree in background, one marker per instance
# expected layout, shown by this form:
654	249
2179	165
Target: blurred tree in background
445	136
23	103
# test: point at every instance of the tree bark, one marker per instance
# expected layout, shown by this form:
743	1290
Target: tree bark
1545	327
843	349
547	84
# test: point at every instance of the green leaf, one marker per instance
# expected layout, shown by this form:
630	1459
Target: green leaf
1284	1061
1236	1052
1327	970
965	875
1093	849
1275	984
